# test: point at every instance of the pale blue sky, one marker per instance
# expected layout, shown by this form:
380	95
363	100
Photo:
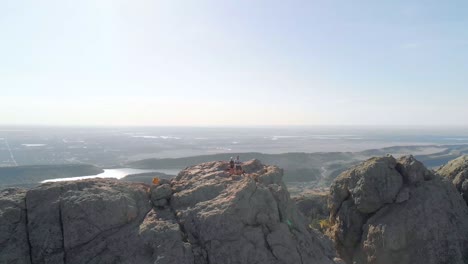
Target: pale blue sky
244	62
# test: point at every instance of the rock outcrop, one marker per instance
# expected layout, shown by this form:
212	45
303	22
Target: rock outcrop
243	220
202	216
13	230
396	211
457	172
94	221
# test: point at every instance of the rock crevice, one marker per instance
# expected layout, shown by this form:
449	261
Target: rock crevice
62	232
26	223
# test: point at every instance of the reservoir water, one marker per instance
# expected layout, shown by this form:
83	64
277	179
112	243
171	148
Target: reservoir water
114	173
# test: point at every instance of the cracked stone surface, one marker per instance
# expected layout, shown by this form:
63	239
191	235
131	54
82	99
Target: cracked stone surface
203	216
396	211
92	221
243	220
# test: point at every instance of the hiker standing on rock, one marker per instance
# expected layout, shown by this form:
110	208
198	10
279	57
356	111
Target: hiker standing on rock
231	166
238	166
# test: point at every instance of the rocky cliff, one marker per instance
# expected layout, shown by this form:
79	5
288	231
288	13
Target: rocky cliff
202	216
456	171
396	211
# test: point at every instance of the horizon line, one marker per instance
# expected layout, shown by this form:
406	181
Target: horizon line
238	126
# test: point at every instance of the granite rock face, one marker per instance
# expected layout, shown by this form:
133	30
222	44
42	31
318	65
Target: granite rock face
91	221
14	246
244	220
202	216
457	172
396	211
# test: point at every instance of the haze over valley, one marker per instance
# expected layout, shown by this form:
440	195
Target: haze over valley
311	156
109	147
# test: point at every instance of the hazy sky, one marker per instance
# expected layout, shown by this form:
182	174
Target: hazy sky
243	62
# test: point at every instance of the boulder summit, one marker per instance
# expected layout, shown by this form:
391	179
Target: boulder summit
388	210
202	216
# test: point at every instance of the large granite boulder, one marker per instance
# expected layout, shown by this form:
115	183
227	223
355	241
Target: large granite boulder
202	216
396	211
91	221
457	172
244	220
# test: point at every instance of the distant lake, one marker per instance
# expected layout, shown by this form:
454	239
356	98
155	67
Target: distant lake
114	173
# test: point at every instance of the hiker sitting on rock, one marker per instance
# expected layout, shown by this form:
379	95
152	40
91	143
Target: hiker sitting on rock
231	166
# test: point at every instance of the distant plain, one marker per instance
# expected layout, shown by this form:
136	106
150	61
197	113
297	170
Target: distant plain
311	156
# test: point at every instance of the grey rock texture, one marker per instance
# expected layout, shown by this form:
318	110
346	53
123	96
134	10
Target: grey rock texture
244	220
160	194
368	192
14	246
202	216
92	221
396	211
457	172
